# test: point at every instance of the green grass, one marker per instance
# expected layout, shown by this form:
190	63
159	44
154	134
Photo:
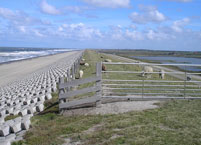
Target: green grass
92	58
10	117
51	106
174	122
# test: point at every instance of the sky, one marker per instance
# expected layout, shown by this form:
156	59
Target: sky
114	24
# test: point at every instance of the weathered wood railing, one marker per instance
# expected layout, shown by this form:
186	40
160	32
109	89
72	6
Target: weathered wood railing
65	91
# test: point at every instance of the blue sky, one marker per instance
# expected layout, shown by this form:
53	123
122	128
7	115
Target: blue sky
121	24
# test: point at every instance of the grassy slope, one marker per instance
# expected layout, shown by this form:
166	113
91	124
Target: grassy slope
175	122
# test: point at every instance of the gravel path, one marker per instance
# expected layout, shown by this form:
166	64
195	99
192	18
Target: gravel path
114	108
122	107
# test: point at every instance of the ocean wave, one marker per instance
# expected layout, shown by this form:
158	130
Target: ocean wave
20	55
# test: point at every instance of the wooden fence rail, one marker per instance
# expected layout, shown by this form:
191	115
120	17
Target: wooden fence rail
65	91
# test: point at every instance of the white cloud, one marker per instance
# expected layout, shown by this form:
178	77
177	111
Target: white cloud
22	29
116	32
78	31
48	9
179	0
6	13
75	9
52	10
179	24
127	33
149	14
134	35
20	17
154	35
109	3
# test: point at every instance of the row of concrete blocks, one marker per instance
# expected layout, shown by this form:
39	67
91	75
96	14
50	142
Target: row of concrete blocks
16	98
47	82
10	101
39	88
15	125
27	108
36	87
10	129
31	90
61	69
16	86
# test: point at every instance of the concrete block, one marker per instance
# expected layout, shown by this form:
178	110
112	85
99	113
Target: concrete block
8	101
48	96
48	90
31	110
27	102
16	127
2	112
34	100
9	122
11	137
28	116
54	89
2	138
11	103
15	112
9	110
5	142
16	101
17	119
23	112
19	135
2	120
39	107
43	92
25	124
22	99
17	107
41	98
4	130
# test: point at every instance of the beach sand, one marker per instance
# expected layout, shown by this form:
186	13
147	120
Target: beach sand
10	72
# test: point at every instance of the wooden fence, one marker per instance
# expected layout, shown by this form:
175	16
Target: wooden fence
112	90
66	92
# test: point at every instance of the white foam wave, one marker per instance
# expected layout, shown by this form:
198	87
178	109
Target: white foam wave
19	55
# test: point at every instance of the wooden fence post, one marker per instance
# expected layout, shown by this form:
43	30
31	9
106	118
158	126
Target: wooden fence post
73	71
68	79
99	84
77	65
61	91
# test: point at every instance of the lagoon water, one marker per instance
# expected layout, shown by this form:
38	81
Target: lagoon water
173	60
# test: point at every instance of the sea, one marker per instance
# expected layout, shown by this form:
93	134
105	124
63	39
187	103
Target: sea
8	54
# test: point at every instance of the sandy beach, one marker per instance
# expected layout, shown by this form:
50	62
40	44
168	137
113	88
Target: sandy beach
16	70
